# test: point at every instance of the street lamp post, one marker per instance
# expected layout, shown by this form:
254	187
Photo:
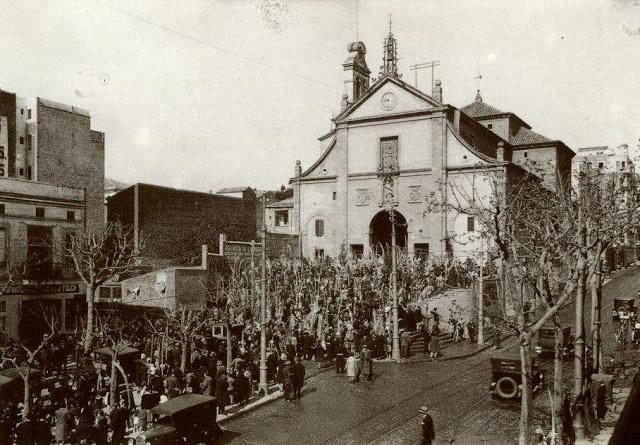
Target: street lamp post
263	385
395	352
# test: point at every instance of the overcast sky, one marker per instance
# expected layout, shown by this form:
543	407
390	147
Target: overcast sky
205	94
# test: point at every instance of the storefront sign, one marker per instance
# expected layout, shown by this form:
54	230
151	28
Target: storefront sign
37	289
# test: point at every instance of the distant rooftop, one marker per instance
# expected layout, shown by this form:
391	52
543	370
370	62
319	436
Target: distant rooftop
233	189
112	184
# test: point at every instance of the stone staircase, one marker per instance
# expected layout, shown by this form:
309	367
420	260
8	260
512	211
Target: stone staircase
417	342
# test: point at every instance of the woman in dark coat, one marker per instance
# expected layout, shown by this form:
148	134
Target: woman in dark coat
222	396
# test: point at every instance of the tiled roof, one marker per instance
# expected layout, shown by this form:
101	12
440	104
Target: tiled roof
233	190
284	203
479	109
525	137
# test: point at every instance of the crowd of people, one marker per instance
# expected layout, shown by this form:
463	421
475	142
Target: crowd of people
331	312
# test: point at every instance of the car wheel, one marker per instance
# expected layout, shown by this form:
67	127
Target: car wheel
507	387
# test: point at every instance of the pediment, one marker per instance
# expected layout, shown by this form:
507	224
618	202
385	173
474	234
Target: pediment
388	97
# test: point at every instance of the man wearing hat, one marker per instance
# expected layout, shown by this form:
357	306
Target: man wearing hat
286	380
428	430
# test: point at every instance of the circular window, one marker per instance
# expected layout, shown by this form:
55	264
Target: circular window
324	171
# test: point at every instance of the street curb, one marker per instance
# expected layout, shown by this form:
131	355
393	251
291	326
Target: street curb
252	408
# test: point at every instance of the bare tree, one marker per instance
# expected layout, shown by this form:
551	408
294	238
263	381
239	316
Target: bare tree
25	359
183	325
116	335
100	256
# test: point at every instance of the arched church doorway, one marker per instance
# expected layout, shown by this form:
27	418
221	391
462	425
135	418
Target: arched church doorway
380	231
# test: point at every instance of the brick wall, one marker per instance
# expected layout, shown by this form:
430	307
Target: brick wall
68	156
177	223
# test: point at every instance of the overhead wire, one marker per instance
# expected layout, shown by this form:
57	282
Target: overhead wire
217	48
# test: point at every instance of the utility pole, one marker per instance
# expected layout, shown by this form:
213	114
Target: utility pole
419	66
263	385
481	302
395	352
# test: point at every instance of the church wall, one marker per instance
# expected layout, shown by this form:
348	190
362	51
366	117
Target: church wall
413	142
405	101
499	126
317	203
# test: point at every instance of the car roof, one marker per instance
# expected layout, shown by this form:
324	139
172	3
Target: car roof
624	298
181	403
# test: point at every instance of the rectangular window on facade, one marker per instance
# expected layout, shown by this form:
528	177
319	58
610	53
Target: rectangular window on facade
389	161
490	126
525	154
319	227
471	224
28	172
71	215
29	141
319	253
282	218
624	164
3	246
22	140
600	165
3	306
28	114
421	250
22	172
3	323
39	212
335	195
357	250
1	209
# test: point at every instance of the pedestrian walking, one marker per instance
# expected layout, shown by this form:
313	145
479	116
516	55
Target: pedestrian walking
207	385
405	343
222	395
352	368
428	430
367	362
62	424
434	345
298	377
426	337
119	417
286	374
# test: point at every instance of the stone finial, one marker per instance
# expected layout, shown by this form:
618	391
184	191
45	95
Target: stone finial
437	90
478	97
345	102
298	168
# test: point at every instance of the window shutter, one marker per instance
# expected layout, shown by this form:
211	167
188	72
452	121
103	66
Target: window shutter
470	224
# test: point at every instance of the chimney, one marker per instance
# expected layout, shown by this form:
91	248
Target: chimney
298	168
500	151
437	91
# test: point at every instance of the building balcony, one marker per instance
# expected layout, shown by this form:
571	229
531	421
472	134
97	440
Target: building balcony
49	271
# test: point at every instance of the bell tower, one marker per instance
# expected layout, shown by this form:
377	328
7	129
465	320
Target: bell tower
356	72
390	60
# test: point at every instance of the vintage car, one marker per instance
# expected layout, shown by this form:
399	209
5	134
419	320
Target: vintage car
624	308
186	419
506	377
546	342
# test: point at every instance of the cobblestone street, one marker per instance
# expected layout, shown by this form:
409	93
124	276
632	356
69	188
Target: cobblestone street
333	411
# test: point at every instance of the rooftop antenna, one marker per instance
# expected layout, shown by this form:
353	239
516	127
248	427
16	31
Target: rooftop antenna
418	66
478	78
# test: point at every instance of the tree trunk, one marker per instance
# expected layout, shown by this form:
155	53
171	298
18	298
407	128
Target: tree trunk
557	377
183	357
578	418
229	347
27	396
113	385
88	336
526	390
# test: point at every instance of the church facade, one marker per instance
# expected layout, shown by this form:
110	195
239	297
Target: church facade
392	150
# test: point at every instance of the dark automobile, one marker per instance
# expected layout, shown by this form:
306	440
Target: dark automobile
546	342
186	419
624	308
506	378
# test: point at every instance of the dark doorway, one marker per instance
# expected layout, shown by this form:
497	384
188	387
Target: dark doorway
380	231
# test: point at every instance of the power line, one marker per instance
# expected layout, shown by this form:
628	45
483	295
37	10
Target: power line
202	42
